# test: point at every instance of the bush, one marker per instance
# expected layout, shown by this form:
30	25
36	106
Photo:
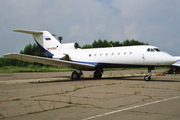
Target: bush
31	66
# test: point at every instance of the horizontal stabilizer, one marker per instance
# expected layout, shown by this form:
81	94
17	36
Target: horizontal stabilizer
50	61
29	31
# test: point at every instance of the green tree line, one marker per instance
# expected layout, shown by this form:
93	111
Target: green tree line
105	43
35	50
30	49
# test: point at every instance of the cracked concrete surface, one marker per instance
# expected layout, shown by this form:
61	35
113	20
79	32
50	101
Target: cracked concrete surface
56	96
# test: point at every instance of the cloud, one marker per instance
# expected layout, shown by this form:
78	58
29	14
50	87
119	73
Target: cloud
130	8
101	28
87	32
130	31
153	21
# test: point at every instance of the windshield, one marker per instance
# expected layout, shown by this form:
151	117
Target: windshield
156	49
153	50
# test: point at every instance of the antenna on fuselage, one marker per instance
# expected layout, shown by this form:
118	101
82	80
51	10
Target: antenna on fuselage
60	38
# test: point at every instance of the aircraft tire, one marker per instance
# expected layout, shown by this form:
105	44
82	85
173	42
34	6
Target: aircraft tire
177	71
170	71
147	78
97	74
75	76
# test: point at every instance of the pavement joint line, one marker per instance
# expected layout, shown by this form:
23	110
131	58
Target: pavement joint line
112	112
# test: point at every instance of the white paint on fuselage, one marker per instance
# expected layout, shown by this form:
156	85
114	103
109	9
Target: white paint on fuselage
129	55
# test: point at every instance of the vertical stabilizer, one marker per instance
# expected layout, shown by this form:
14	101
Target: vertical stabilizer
45	40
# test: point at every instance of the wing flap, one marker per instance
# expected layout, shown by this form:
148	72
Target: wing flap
49	61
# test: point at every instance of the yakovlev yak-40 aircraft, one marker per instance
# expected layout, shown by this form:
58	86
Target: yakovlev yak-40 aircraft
68	55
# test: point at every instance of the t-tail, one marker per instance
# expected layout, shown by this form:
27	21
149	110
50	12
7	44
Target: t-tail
45	40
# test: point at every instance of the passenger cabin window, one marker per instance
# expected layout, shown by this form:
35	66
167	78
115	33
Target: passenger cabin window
89	55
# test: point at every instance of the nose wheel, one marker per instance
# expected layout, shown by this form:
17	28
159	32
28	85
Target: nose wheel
148	77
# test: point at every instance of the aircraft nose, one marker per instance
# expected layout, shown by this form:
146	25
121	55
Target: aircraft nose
170	59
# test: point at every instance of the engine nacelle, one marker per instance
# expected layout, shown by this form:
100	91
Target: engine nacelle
69	46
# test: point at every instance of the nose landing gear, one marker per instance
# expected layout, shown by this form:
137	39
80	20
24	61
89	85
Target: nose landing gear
148	77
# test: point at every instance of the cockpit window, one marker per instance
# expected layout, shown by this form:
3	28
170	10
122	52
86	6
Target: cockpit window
153	50
156	49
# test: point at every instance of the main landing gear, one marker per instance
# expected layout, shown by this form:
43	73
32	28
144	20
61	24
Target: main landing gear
148	77
98	74
172	70
76	74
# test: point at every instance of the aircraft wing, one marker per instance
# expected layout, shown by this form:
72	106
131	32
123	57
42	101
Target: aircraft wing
177	64
50	61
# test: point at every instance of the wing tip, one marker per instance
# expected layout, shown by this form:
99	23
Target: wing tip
7	54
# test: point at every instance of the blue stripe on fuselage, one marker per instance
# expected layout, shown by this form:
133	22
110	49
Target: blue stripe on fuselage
99	65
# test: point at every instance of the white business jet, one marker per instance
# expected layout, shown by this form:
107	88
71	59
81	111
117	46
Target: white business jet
68	55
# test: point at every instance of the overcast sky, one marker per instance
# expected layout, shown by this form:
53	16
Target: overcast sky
156	22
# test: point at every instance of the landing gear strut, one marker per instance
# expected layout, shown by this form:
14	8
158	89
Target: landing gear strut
148	77
177	71
98	74
76	75
172	70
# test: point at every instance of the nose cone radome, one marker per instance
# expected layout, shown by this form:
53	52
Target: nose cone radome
170	59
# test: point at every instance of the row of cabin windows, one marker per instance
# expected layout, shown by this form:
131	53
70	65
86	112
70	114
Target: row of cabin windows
111	54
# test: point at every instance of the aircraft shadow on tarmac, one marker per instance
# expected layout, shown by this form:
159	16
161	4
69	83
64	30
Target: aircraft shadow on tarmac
129	78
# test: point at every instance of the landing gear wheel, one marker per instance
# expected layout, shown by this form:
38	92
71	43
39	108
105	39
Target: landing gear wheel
177	71
147	78
170	71
97	74
75	76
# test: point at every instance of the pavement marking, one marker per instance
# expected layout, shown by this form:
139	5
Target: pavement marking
130	108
